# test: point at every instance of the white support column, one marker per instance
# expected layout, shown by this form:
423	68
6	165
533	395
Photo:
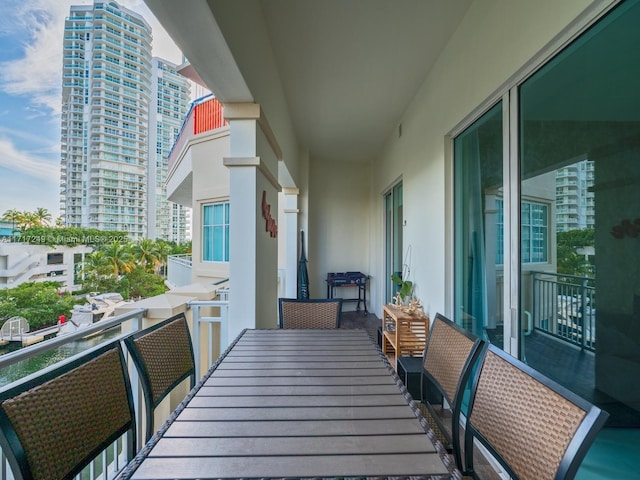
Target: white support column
292	237
253	199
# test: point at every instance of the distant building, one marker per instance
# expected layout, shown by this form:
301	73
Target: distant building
22	262
6	230
170	93
575	202
121	111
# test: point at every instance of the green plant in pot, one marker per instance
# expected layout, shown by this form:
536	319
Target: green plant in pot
405	293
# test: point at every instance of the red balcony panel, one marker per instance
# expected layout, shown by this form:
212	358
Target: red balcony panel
207	116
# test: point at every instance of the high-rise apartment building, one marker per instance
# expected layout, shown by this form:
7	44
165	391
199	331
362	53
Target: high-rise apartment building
168	108
575	202
105	110
121	111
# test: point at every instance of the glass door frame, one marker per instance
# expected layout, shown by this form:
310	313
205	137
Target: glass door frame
392	241
508	93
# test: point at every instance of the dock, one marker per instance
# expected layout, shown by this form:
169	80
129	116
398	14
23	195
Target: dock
29	338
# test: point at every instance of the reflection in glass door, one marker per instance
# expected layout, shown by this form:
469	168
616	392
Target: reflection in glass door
579	184
393	238
479	238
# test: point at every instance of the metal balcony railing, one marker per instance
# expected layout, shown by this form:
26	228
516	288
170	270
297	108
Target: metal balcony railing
565	306
208	331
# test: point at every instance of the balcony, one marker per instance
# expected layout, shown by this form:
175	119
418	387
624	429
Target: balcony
179	270
201	124
564	307
209	337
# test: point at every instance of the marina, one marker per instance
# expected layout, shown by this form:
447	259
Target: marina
16	330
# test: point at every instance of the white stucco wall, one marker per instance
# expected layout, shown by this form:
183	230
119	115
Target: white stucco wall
495	40
339	211
210	184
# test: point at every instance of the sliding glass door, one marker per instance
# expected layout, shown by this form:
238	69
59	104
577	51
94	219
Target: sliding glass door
580	181
479	253
559	163
393	238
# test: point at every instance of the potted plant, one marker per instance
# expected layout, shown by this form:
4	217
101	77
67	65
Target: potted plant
405	293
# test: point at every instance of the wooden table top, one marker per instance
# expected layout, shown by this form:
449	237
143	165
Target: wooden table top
295	403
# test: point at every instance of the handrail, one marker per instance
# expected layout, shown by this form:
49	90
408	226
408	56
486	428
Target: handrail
198	319
38	348
565	309
103	325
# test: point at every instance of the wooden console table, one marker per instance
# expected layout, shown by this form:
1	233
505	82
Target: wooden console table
403	334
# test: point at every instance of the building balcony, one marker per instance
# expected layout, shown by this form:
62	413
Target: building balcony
203	122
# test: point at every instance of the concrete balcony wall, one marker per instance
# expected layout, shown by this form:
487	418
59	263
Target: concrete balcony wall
198	177
179	269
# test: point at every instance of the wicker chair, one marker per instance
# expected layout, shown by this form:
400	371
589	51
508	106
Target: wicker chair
52	426
534	427
163	355
449	356
310	313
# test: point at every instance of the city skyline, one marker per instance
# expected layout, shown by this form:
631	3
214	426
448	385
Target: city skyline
31	37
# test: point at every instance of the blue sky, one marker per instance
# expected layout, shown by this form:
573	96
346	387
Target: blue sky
30	97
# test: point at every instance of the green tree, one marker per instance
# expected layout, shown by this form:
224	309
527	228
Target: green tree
40	303
119	257
164	250
29	219
13	217
144	284
570	262
42	217
146	253
96	265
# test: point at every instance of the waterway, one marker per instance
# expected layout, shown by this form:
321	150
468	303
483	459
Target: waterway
23	368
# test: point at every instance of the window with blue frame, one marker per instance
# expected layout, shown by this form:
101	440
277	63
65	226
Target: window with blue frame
215	232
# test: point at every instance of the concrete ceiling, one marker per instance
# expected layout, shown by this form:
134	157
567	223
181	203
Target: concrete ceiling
347	69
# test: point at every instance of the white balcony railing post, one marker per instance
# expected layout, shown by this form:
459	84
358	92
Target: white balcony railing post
199	320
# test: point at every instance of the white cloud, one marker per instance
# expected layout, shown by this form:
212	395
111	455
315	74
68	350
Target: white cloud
38	73
26	163
31	137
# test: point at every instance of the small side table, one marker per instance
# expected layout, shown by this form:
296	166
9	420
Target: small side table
409	370
403	334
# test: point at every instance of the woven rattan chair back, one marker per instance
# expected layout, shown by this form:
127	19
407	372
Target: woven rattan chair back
449	355
163	355
52	426
533	426
310	313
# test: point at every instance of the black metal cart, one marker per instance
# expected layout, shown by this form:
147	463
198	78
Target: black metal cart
349	279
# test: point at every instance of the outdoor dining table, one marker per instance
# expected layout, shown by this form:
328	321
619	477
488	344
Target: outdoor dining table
295	404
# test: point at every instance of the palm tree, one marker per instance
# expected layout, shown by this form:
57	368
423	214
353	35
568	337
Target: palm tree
12	216
145	252
27	220
42	216
96	264
119	257
164	250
